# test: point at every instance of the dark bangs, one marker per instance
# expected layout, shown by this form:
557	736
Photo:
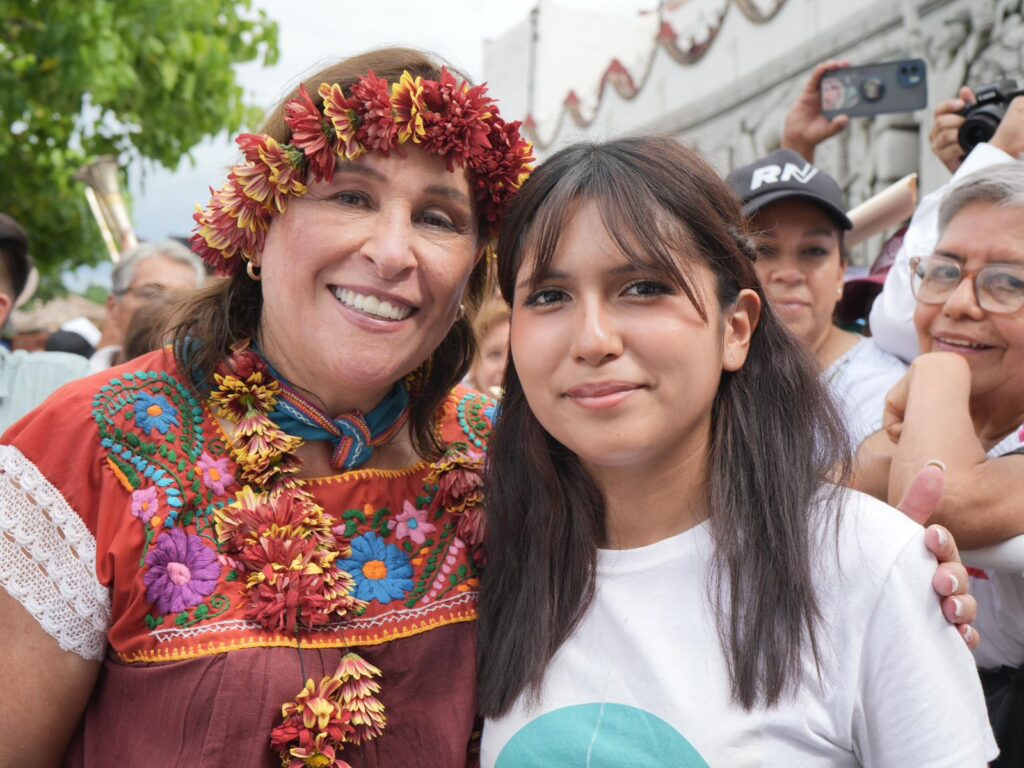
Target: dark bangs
640	221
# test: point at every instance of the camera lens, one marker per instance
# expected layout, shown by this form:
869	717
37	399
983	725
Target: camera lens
872	89
980	125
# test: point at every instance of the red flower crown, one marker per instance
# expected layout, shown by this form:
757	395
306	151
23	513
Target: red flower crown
446	117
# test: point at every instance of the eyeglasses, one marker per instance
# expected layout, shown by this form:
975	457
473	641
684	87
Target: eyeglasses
147	292
998	288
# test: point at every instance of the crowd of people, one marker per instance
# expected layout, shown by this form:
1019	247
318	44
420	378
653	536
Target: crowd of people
430	454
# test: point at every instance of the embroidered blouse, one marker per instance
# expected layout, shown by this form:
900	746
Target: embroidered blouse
107	498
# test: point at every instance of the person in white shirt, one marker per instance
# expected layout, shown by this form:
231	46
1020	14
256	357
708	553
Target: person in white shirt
962	401
671	580
798	215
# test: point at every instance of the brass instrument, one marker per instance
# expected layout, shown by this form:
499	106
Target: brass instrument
103	191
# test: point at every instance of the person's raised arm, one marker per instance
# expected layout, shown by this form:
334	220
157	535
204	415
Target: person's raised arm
944	135
928	415
806	127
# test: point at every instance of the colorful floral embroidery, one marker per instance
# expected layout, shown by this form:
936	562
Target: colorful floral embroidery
382	571
154	412
182	571
216	473
412	524
215	545
476	415
145	503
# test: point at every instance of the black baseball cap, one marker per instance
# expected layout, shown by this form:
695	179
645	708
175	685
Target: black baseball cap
784	174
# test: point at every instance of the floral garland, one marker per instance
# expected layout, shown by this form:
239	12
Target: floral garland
445	117
288	547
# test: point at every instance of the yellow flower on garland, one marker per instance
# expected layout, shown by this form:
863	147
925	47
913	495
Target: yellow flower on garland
234	398
409	107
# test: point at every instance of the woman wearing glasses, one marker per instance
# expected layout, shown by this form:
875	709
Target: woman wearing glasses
962	400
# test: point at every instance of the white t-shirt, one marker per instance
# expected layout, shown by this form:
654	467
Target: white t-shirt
892	314
1000	596
859	382
643	680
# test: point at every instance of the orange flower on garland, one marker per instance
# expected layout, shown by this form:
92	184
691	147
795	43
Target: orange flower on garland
458	128
231	225
378	131
346	121
284	545
341	709
358	694
460	485
499	173
409	108
311	133
273	172
459	479
297	584
314	752
261	450
253	516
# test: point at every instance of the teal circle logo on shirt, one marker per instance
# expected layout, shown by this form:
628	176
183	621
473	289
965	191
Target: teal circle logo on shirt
600	736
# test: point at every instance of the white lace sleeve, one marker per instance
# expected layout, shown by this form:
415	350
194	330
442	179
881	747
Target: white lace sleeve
48	558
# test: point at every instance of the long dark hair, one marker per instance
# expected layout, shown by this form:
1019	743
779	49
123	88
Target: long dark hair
230	311
776	438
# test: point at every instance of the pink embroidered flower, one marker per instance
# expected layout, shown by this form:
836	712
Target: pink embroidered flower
216	475
412	524
145	503
182	571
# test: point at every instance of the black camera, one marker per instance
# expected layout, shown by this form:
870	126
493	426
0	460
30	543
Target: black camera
984	115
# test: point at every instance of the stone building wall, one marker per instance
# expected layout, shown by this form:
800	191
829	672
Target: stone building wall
724	74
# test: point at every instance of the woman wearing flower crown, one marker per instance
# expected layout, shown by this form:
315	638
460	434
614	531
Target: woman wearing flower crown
260	547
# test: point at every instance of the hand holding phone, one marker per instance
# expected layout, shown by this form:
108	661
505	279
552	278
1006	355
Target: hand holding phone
875	89
806	127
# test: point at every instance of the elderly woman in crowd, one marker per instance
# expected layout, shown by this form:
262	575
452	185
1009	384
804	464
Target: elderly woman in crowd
193	545
962	401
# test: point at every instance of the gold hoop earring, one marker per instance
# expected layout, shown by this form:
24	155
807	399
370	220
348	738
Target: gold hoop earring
253	271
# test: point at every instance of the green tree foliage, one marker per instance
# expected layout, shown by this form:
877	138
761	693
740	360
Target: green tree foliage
132	78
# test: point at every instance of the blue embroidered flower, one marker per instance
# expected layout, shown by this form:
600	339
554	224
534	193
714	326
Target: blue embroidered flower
155	412
382	572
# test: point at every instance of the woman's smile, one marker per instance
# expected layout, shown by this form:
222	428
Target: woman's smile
373	304
602	395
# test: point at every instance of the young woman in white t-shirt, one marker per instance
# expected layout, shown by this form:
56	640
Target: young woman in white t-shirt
670	578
